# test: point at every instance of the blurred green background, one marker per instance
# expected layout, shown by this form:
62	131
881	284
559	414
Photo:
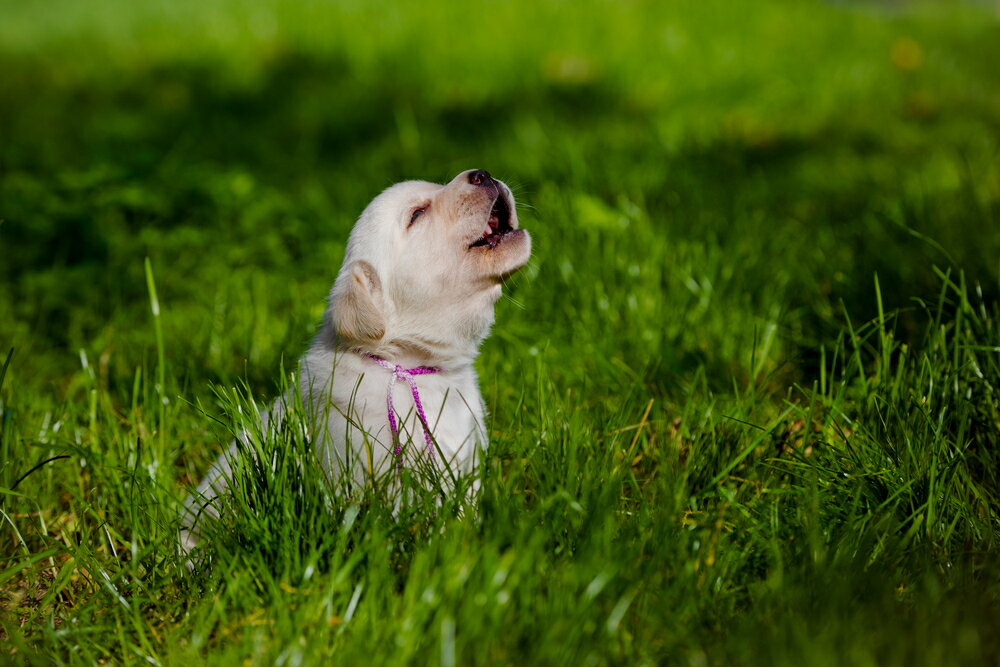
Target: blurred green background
682	165
713	189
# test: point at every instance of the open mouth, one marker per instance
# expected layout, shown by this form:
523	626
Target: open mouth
497	224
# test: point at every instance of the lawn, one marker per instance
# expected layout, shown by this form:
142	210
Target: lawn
745	399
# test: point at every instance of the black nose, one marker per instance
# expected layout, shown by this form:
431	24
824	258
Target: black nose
479	177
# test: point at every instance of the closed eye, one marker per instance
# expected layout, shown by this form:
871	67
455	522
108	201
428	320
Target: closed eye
416	214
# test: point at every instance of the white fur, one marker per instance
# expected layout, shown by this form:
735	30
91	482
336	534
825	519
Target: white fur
415	295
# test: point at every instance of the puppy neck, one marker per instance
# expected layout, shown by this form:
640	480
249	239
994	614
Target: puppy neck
417	333
416	351
409	351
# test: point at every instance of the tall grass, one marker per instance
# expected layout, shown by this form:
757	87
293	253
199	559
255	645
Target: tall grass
841	522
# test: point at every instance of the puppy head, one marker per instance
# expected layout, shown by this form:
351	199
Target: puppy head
424	265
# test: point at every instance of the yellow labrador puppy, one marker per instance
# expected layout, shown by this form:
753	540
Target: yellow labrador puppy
390	377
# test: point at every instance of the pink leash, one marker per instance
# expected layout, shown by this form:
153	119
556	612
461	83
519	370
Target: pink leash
400	373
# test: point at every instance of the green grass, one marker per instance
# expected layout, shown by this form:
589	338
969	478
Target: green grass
744	400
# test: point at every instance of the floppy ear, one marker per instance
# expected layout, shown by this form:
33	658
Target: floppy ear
356	303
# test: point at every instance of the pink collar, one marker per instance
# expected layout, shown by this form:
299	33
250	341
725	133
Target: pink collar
407	374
